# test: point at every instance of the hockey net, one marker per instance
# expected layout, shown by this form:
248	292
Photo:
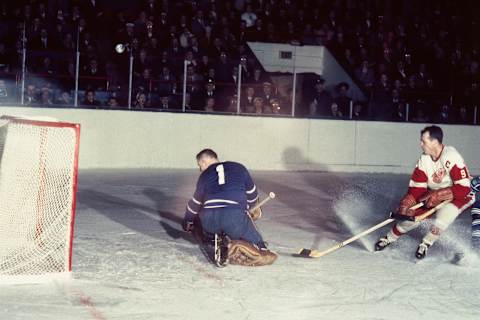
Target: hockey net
38	182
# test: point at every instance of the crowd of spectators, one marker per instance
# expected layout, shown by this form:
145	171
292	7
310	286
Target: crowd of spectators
404	52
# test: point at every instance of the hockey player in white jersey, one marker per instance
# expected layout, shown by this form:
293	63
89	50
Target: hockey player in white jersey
440	175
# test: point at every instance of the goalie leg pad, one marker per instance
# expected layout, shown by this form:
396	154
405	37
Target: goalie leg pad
243	253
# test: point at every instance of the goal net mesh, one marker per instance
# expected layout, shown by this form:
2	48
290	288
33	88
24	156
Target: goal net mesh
38	164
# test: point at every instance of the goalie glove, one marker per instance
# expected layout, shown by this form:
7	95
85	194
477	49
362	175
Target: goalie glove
406	203
188	222
434	197
257	213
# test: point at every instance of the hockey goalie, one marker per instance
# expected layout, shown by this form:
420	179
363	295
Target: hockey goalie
224	192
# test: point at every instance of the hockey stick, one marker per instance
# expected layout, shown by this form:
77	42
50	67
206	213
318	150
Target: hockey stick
311	253
270	196
430	212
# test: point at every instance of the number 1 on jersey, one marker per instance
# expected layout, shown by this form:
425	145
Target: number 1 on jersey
221	174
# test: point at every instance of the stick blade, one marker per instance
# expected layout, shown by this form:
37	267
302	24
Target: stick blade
307	253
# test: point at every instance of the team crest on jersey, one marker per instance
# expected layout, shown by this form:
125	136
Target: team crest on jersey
438	175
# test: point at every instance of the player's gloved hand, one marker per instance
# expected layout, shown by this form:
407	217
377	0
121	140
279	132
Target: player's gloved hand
475	184
188	222
406	203
257	213
434	197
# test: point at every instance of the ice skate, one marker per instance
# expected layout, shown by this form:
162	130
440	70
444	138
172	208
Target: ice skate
422	250
382	243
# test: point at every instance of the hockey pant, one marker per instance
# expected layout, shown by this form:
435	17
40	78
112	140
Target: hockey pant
234	222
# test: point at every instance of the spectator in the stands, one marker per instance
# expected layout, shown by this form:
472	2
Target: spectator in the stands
444	115
89	99
209	104
463	115
276	106
398	106
144	82
358	111
267	93
381	104
65	99
112	102
223	68
140	100
204	65
142	62
247	99
322	100
420	116
93	76
31	95
342	100
166	81
42	41
46	69
422	76
257	106
365	74
401	72
46	98
335	111
209	91
166	102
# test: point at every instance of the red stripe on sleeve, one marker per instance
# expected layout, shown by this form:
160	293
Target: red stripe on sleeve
421	177
417	193
458	174
459	191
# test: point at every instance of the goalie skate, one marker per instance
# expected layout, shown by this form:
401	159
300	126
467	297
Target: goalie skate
221	250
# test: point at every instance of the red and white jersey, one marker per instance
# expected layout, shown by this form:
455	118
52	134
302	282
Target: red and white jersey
448	170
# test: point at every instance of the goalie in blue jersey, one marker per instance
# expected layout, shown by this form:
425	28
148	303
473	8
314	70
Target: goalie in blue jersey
224	193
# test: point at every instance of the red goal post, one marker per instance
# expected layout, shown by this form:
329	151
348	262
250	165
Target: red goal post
38	186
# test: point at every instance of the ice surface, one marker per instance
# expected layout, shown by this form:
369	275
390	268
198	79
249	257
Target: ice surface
132	261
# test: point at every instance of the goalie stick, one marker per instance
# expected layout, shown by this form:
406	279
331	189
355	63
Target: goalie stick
312	253
270	196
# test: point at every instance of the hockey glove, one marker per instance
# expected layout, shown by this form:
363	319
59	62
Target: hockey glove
188	222
475	184
406	203
434	197
257	213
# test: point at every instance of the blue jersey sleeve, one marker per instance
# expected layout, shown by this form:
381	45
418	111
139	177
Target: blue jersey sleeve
196	202
251	189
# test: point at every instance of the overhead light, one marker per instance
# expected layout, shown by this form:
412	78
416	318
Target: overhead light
120	48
